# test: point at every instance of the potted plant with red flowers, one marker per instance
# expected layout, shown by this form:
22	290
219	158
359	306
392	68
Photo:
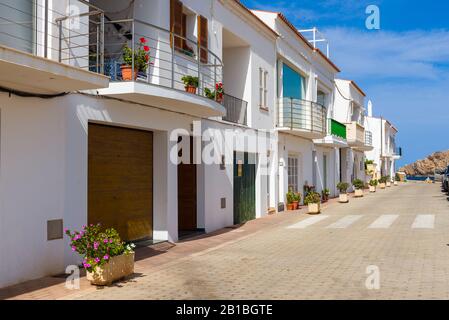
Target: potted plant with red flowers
105	257
217	94
141	57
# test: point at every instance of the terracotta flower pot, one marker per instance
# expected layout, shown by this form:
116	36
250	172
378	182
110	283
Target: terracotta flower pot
191	89
295	205
117	268
289	206
314	208
127	74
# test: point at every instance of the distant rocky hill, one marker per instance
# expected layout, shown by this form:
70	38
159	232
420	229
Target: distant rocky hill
436	161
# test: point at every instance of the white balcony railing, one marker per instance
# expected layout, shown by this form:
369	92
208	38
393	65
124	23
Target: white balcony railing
170	57
296	114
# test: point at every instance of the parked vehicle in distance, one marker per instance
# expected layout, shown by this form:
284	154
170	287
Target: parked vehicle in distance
446	180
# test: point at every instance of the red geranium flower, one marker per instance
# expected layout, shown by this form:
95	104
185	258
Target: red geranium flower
146	48
143	40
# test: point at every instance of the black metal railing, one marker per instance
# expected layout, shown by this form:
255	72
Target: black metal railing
297	114
235	109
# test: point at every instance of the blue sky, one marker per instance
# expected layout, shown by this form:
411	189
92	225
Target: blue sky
403	67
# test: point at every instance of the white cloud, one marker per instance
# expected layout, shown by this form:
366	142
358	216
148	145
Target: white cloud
390	55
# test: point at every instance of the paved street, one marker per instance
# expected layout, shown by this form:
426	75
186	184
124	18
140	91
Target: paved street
402	232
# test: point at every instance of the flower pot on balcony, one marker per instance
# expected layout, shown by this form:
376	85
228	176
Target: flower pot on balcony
372	189
382	185
127	74
191	89
117	268
314	208
343	198
358	193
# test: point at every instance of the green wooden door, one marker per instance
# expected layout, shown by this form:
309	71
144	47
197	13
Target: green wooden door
244	189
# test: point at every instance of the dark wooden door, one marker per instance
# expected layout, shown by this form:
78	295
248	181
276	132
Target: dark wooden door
244	189
187	193
120	180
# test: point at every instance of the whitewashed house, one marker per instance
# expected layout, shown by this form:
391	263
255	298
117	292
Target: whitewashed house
81	144
385	152
305	95
349	109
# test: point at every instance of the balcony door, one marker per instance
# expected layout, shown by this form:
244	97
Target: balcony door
18	24
293	87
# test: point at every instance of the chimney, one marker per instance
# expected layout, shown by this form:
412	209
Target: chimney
370	109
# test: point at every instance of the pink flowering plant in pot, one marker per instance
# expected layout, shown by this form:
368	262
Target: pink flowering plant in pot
99	247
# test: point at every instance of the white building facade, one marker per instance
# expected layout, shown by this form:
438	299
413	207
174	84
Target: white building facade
91	134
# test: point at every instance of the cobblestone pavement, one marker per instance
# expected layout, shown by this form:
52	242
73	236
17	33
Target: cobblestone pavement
401	230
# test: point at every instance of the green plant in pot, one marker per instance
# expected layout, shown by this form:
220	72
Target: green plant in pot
313	201
358	186
383	182
293	199
141	58
343	188
325	195
372	185
388	181
397	179
191	83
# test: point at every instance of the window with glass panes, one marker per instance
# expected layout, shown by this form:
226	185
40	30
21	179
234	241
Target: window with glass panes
293	174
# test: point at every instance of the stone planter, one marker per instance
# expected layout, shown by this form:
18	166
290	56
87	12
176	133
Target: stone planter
117	268
358	193
343	198
372	189
314	208
388	184
395	183
382	185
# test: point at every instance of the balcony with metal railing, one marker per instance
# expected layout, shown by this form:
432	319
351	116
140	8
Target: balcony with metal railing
336	135
38	50
236	109
145	60
302	118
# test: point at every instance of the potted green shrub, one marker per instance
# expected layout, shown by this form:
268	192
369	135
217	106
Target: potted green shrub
106	257
191	83
293	199
313	202
325	195
388	182
370	167
343	188
141	60
358	186
397	179
372	185
383	182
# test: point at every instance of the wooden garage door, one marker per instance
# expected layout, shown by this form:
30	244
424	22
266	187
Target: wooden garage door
120	180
